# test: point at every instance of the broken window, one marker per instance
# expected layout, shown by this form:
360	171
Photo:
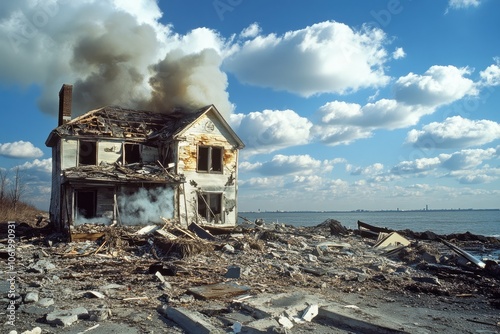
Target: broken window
132	153
209	159
210	207
86	203
87	153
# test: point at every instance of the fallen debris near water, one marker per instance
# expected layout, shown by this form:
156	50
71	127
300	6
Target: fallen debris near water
251	279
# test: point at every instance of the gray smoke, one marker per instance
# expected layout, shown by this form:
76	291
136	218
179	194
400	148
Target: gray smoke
146	206
114	52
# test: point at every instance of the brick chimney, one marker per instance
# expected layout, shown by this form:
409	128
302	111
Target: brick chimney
65	97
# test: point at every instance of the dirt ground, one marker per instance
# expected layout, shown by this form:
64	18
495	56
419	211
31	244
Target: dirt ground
424	287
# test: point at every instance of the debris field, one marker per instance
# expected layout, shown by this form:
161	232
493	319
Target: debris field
254	278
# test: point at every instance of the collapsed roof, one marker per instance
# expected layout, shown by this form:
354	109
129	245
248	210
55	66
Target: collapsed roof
118	122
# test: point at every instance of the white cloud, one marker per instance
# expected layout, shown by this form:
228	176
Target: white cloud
439	85
370	170
250	31
283	165
261	182
44	166
343	123
459	4
20	149
454	132
491	75
416	166
467	159
466	166
398	53
476	179
415	96
327	57
271	130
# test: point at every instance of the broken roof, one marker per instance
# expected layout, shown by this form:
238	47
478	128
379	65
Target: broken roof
117	122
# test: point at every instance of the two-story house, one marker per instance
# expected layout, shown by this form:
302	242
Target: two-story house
124	166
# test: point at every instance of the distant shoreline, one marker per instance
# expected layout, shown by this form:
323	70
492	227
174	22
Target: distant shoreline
361	210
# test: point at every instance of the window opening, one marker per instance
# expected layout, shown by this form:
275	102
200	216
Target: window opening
210	207
209	159
132	153
87	153
86	203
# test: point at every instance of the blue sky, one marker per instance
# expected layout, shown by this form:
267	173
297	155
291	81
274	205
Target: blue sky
342	105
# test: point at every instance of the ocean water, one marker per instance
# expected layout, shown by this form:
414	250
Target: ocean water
482	222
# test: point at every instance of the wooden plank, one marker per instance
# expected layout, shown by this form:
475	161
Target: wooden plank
219	290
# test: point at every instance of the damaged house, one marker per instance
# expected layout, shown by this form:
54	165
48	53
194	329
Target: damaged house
124	166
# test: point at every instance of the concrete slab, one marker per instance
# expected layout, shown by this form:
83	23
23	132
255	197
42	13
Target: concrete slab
260	326
358	320
191	321
293	304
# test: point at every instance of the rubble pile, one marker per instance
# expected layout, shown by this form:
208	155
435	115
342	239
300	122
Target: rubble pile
255	278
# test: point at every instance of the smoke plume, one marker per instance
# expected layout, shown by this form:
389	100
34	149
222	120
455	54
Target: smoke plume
114	52
146	206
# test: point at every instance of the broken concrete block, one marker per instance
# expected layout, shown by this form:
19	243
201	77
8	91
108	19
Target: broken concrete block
267	325
45	302
191	321
236	327
147	230
310	312
66	317
285	322
31	297
61	318
233	272
228	249
359	321
36	330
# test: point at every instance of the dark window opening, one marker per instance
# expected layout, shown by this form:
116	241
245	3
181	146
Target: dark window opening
209	159
203	161
87	153
132	153
86	203
210	207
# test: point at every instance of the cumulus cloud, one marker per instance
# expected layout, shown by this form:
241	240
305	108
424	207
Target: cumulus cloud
476	178
251	31
261	183
398	53
414	97
343	123
463	165
467	159
284	165
439	85
271	130
20	149
44	166
416	166
491	75
113	51
370	170
327	57
454	132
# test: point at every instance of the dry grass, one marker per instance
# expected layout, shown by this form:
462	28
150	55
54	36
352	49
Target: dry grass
23	213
